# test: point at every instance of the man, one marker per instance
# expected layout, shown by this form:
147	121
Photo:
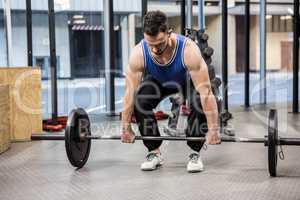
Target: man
163	63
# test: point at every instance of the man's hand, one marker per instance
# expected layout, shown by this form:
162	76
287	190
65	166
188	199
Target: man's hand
213	137
128	135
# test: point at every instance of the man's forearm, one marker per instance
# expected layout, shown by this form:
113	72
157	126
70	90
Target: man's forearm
127	113
210	109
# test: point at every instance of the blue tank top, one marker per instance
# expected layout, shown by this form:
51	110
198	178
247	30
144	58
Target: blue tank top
170	73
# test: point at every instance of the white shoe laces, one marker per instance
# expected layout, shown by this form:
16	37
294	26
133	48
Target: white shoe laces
151	156
194	157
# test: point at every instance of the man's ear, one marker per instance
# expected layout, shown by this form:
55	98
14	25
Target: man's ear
170	31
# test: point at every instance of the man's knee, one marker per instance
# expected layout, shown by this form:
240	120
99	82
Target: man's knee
197	128
143	106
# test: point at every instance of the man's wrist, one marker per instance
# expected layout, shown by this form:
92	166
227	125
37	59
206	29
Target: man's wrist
126	127
214	129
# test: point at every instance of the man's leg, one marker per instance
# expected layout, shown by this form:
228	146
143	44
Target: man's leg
197	127
149	94
197	123
148	97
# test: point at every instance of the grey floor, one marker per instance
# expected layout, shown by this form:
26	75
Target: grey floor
40	170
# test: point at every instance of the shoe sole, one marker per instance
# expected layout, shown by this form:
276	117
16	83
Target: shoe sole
152	169
194	171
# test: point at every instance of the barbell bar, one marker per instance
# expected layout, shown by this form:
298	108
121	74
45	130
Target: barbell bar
78	139
281	141
169	138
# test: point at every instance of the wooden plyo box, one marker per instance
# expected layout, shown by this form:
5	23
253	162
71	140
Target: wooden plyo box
25	100
5	118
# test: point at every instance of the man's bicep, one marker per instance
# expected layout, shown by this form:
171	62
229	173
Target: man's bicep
200	80
193	58
136	61
197	67
133	76
134	70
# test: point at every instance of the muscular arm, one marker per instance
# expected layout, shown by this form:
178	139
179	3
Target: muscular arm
199	74
133	78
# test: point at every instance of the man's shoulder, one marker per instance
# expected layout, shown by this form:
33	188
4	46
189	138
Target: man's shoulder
190	45
136	59
137	51
138	46
192	54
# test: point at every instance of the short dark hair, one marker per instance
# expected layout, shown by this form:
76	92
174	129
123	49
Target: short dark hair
155	22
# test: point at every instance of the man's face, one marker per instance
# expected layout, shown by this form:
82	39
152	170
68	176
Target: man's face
159	43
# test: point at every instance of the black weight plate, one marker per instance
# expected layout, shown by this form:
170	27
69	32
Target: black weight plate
78	150
272	142
211	72
216	82
208	51
203	36
202	45
207	60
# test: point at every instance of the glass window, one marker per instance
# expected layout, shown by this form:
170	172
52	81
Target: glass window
279	23
2	41
80	47
19	37
41	54
15	33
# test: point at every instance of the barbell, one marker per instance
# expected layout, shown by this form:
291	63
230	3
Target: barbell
78	139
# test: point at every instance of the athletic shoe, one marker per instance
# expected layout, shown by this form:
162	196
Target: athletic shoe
195	163
153	160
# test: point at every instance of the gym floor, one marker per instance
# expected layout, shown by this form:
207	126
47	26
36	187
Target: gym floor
40	169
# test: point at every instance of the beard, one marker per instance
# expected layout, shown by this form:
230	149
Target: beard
161	51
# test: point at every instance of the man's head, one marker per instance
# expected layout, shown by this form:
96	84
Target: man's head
156	31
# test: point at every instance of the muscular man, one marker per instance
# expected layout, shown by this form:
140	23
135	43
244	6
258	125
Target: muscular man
164	63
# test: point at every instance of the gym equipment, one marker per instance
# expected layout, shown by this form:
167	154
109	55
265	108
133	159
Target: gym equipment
78	139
